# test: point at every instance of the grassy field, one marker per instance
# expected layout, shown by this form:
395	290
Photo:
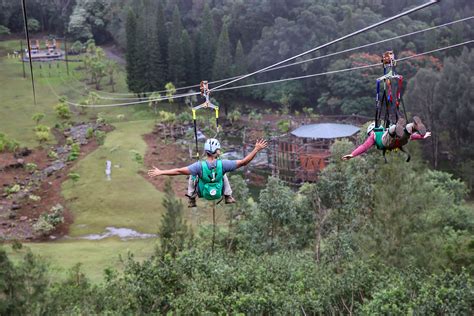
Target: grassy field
94	256
128	200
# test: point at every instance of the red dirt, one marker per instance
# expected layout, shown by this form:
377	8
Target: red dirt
49	191
165	156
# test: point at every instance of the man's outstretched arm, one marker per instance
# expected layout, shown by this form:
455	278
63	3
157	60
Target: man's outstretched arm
171	172
261	144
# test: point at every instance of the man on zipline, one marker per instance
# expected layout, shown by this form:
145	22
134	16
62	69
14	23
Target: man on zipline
394	137
208	176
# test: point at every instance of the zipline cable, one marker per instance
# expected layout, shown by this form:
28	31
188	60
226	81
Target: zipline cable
295	63
267	82
365	29
342	70
23	5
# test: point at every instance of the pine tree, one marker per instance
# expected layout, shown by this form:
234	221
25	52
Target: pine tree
223	60
162	39
176	71
155	62
189	66
206	44
143	68
173	229
131	55
240	61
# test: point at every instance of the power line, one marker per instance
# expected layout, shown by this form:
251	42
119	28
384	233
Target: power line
306	60
23	5
331	43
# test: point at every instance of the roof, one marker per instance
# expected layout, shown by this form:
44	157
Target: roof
325	130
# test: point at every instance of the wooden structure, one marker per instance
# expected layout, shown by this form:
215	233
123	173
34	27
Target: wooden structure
301	155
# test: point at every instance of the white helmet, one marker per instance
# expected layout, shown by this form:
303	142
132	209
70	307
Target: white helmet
370	127
212	145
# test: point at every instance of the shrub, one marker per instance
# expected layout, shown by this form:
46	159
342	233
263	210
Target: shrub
89	132
74	177
284	126
38	117
137	157
75	152
52	154
100	137
62	111
13	189
48	221
166	117
42	133
8	144
31	167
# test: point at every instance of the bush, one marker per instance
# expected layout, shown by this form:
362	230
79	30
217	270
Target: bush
89	132
75	152
31	167
48	221
62	111
7	144
38	117
284	126
52	154
184	117
42	133
4	30
13	189
100	137
167	117
137	157
74	176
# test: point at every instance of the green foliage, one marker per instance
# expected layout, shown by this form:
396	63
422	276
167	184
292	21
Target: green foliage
223	57
167	117
31	167
137	157
173	230
284	126
184	117
48	221
170	91
176	67
77	47
74	176
42	133
13	189
33	25
100	136
90	133
38	117
62	111
8	144
4	30
75	152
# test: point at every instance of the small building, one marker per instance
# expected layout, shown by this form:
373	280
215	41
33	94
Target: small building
301	155
51	51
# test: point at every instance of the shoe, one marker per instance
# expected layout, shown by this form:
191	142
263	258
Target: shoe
192	202
419	126
229	199
400	127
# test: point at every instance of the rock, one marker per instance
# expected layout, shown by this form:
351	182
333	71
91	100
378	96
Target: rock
15	207
52	237
23	218
23	152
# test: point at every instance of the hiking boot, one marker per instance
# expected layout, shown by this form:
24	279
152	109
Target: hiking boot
400	127
229	199
419	126
192	202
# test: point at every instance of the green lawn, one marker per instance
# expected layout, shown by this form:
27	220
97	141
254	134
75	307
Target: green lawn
94	256
128	200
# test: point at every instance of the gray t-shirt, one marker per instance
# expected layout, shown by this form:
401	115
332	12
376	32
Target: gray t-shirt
227	166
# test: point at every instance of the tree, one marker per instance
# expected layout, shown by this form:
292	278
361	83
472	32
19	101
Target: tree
223	57
111	68
131	55
240	61
176	71
206	44
188	54
38	117
173	229
420	97
162	34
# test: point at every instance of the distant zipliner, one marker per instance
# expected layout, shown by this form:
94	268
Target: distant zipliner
396	133
208	178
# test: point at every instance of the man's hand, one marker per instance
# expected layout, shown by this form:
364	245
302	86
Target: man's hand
155	172
427	134
347	157
261	144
